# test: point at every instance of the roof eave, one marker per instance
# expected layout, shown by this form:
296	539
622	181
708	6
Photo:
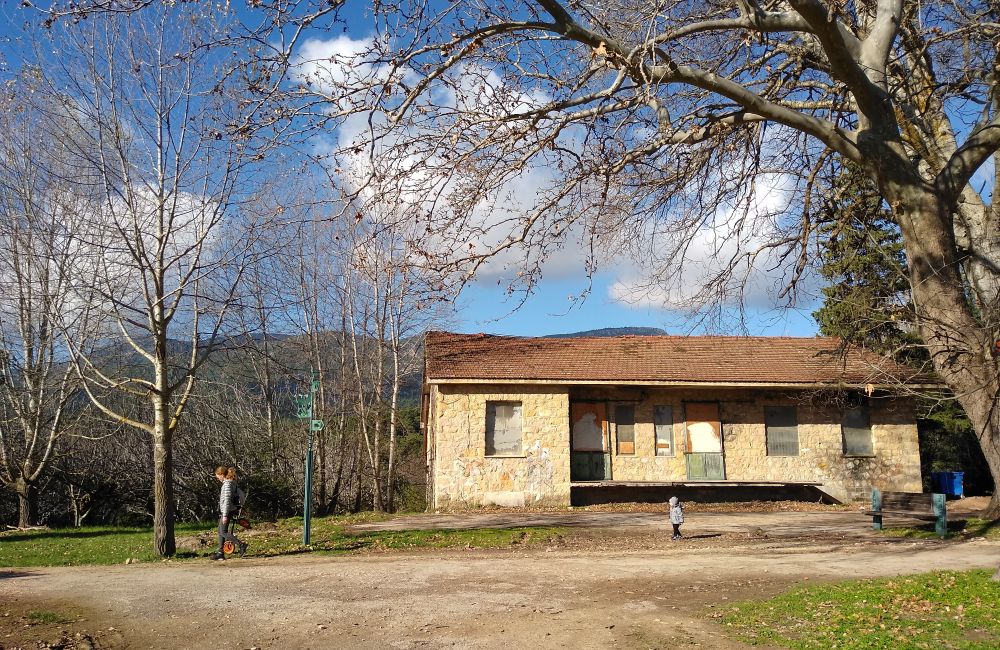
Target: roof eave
673	383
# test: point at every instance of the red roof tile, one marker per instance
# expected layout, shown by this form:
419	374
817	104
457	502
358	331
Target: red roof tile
668	359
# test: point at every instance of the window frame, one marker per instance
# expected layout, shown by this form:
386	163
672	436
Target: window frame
772	430
618	431
671	449
492	404
845	429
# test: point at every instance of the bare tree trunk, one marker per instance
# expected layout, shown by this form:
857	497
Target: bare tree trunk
27	503
268	392
377	499
272	440
395	330
393	416
163	487
356	473
341	427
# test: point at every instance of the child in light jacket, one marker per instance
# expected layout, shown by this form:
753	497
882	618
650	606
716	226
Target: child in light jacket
676	516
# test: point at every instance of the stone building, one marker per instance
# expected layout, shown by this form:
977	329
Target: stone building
526	421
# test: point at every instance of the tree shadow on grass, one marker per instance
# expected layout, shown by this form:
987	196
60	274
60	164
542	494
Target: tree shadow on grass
957	529
67	534
404	540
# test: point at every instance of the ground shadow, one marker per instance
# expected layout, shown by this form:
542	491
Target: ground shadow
957	529
61	533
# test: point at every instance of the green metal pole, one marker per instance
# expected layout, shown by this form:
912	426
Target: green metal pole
940	511
307	499
307	492
877	507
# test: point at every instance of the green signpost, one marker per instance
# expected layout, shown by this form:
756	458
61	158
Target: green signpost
305	405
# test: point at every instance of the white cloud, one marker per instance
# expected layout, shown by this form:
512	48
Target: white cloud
409	174
117	246
736	246
328	66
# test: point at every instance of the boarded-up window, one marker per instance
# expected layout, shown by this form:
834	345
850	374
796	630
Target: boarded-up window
587	426
782	431
704	430
625	425
857	430
663	423
503	428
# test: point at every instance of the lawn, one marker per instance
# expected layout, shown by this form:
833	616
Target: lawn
934	610
111	545
972	527
76	546
330	536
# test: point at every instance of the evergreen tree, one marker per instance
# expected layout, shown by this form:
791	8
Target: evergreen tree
867	299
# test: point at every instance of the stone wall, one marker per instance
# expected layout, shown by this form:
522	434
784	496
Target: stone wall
894	465
462	475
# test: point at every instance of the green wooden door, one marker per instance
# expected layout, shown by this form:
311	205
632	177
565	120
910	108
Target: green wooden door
704	459
705	466
590	466
590	455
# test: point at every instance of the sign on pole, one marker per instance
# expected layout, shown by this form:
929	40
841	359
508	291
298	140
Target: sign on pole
305	407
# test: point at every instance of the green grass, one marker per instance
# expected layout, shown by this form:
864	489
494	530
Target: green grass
935	610
76	546
110	545
41	617
329	536
971	527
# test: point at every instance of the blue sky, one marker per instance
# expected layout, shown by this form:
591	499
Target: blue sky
484	306
550	311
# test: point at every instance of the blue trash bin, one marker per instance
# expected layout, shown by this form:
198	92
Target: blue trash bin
956	480
949	483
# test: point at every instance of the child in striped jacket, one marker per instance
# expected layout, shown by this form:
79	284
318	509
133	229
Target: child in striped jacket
228	504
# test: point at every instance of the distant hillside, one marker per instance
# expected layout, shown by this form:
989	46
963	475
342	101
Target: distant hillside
612	331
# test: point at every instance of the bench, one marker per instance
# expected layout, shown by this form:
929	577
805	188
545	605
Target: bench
929	507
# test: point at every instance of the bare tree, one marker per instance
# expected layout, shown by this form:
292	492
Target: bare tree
168	246
389	300
38	212
515	128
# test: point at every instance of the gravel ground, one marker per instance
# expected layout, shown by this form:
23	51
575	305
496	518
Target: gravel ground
614	580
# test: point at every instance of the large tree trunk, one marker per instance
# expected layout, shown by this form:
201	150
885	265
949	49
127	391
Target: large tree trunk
163	486
984	414
27	503
961	348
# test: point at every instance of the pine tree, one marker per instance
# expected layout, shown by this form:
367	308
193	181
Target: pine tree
867	300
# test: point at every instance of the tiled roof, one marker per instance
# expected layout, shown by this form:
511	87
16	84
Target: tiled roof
658	359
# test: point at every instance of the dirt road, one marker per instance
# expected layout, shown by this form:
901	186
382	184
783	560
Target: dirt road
606	589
